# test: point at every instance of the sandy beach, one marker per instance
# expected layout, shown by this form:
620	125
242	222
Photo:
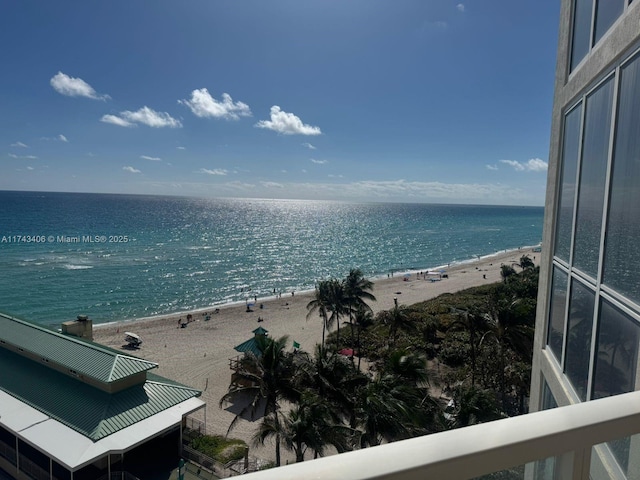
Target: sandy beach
198	354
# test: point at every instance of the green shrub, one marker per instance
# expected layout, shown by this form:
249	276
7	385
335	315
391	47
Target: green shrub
220	448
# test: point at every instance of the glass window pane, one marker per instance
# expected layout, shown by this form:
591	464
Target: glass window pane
621	262
579	337
570	151
607	12
581	31
616	459
555	330
617	358
595	150
548	400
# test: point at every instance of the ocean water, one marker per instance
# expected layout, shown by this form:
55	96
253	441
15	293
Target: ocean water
117	257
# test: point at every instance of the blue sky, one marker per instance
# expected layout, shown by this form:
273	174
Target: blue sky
366	100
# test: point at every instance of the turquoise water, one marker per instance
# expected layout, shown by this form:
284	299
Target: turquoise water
116	257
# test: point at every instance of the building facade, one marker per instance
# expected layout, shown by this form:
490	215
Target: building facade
588	324
71	409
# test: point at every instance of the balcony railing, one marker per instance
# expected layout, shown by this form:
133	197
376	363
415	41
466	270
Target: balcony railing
566	434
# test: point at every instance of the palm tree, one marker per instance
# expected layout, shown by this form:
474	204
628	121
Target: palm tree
409	366
526	263
266	379
309	425
387	410
329	297
471	324
357	289
363	319
509	325
331	377
338	305
506	272
320	304
471	405
397	319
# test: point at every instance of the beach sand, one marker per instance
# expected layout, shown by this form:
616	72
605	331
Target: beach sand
198	355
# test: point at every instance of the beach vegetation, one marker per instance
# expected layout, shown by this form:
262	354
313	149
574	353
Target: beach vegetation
321	305
310	425
219	447
341	298
452	361
262	383
331	376
357	290
479	337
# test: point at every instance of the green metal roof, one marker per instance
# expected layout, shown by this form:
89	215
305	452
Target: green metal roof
84	357
88	410
249	346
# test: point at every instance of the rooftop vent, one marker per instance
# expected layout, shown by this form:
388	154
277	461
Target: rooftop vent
83	318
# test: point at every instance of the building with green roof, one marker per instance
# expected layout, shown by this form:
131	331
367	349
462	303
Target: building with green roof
73	409
251	345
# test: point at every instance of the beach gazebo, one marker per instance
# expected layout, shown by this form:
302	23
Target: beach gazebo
249	346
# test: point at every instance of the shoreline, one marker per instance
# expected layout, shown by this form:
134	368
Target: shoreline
376	278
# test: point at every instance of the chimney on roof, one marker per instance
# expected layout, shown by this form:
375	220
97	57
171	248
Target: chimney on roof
82	327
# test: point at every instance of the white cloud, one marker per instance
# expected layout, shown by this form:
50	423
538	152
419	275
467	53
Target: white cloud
537	165
151	118
287	124
309	146
460	7
153	159
131	170
28	157
515	164
114	120
181	148
492	167
57	138
529	193
319	162
531	165
145	116
30	168
203	105
19	144
331	175
74	87
216	171
272	185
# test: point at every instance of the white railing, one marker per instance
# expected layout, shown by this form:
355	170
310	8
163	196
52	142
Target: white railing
566	433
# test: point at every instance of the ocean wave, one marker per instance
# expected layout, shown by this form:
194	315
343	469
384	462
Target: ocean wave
77	267
193	274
